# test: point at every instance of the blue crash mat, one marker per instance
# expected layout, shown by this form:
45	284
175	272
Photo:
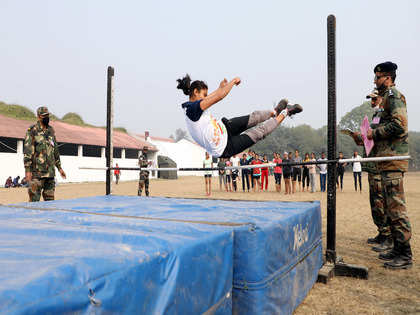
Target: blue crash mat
277	245
55	262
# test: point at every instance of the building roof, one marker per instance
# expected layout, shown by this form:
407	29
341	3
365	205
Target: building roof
68	133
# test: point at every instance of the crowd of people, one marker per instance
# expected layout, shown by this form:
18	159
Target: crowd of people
296	178
16	182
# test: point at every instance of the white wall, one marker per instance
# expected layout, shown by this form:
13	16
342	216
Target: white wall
184	153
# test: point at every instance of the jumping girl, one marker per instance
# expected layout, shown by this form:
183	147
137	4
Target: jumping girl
227	137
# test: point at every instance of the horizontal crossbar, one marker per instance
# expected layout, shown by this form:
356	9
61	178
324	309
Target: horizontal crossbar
269	165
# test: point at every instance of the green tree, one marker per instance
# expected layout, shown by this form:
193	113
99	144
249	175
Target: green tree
353	119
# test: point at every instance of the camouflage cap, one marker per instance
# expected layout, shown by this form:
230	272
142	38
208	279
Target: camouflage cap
385	67
42	111
373	94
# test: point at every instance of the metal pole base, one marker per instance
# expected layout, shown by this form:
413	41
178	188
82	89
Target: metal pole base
340	268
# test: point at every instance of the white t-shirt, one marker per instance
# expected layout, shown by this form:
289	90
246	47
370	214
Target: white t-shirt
235	161
208	132
322	167
357	166
207	163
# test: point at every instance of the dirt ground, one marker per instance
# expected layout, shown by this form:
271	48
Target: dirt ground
386	291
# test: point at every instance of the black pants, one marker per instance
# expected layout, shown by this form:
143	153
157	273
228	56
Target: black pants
357	175
237	142
341	176
305	175
245	177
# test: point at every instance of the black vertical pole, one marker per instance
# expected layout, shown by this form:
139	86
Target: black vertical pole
330	254
109	126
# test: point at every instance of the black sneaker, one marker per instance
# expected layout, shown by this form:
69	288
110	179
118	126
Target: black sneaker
387	244
291	109
294	109
281	106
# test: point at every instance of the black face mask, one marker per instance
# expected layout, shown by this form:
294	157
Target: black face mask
46	121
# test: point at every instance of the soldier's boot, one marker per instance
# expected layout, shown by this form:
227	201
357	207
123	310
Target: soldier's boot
375	240
147	193
403	260
390	255
385	245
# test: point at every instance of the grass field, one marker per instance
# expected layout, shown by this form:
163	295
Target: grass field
386	291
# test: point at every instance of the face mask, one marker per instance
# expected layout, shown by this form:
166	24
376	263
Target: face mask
46	121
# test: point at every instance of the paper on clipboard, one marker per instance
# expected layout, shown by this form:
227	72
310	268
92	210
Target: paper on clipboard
364	127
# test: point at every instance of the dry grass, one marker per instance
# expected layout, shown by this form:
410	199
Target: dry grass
386	292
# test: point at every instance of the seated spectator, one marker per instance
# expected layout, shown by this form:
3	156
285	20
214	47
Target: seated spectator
9	182
24	182
16	181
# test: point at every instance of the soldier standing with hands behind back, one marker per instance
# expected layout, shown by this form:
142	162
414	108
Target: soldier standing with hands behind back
391	139
144	175
40	157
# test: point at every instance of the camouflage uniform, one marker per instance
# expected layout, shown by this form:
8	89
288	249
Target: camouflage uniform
391	138
41	156
144	175
376	197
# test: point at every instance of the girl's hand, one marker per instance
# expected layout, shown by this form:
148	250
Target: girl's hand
236	81
223	83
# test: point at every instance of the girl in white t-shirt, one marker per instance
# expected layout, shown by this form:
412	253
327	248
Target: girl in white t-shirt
357	171
227	137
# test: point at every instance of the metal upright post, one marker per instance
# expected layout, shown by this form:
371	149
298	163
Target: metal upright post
332	142
109	127
334	265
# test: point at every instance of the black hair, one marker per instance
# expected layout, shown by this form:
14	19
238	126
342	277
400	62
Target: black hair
188	88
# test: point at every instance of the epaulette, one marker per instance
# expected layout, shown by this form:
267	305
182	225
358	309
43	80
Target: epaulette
393	92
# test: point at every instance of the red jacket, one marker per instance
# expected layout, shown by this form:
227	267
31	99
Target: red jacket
256	171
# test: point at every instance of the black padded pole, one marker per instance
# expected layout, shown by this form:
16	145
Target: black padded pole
109	126
330	254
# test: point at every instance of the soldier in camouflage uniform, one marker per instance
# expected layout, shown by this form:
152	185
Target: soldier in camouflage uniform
391	138
40	158
383	240
144	175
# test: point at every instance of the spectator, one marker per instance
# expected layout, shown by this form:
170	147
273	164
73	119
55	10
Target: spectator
245	172
222	173
277	171
228	175
117	173
256	173
24	182
305	173
9	182
340	171
16	181
357	171
264	174
287	172
208	163
322	172
296	172
251	156
312	173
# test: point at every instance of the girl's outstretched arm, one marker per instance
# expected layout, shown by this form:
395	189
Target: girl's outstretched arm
219	94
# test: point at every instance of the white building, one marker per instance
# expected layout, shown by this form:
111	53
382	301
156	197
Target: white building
184	152
79	147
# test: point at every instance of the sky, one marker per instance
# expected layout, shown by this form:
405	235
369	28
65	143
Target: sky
56	54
